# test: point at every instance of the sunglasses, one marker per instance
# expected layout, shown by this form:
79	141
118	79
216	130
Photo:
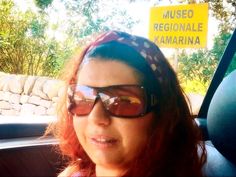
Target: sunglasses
127	101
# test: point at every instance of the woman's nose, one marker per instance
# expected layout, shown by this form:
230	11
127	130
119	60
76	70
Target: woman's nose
99	115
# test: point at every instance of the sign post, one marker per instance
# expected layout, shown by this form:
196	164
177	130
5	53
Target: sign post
182	26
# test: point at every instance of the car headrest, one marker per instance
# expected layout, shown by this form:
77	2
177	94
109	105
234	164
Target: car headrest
221	118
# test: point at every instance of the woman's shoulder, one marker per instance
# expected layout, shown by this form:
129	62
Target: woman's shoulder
77	174
68	174
71	171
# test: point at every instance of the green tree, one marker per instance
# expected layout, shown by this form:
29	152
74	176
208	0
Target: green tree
200	65
26	46
84	18
13	29
225	12
196	70
220	43
23	46
43	4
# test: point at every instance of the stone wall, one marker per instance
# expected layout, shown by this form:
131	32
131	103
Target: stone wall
28	95
34	95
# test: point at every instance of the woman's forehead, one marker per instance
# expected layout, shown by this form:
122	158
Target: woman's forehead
98	73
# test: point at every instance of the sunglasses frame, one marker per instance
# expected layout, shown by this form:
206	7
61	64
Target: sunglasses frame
150	100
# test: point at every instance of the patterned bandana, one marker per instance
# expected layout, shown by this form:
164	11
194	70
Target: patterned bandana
147	49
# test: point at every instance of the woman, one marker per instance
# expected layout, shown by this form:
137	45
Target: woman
125	114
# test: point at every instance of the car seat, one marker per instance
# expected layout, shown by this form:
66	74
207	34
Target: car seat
221	126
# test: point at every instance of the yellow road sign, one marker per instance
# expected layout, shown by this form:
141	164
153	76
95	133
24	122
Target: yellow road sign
182	26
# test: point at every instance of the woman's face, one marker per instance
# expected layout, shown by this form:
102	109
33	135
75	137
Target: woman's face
110	142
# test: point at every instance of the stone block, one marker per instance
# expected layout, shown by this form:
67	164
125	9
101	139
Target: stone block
54	105
1	95
51	111
38	88
34	100
24	99
5	105
14	98
55	99
4	81
16	107
40	110
51	87
62	91
27	109
17	84
45	103
10	112
6	96
29	84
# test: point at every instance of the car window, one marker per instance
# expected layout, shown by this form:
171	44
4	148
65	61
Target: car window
232	66
38	37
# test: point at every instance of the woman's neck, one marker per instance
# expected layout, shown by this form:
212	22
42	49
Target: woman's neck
108	171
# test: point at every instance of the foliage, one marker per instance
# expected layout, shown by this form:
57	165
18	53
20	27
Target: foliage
84	18
194	86
220	43
43	4
198	67
24	48
225	12
29	42
232	65
27	48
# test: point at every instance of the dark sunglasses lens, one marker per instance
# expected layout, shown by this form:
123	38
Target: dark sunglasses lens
126	106
82	107
120	101
82	101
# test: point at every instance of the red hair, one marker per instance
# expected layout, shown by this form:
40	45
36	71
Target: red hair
174	149
63	130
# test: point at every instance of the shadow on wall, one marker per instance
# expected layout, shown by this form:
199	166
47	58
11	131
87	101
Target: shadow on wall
28	95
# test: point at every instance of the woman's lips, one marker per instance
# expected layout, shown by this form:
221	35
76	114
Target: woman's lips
102	141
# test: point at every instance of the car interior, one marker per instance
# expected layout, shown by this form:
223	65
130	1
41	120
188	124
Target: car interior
24	153
221	154
217	118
